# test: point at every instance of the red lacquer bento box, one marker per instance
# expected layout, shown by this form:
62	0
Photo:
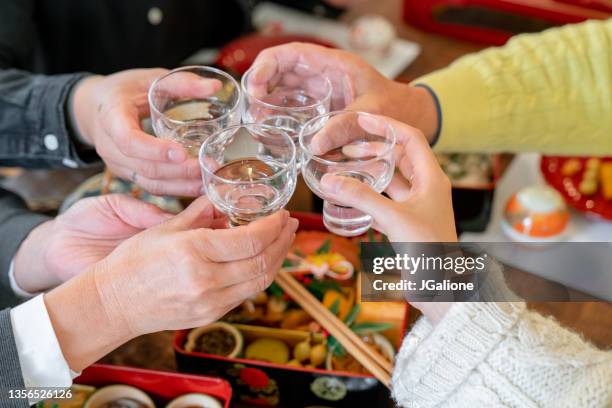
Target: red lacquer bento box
161	386
268	384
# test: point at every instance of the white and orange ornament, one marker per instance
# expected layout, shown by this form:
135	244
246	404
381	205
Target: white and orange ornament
535	214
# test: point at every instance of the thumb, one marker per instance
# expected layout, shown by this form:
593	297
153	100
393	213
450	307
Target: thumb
199	214
134	212
353	193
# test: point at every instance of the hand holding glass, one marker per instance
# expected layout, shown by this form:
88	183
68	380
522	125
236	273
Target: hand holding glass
248	171
348	144
191	103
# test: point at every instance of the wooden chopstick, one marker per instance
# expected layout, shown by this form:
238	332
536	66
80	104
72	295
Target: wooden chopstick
352	343
370	359
383	362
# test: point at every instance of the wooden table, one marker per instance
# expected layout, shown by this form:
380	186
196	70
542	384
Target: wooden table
591	319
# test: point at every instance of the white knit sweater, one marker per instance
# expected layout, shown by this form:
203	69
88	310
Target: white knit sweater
499	355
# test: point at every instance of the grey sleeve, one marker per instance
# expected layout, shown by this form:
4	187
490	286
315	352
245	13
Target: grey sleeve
16	222
35	129
10	370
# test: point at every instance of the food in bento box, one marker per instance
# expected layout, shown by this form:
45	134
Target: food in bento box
535	213
306	354
320	261
124	403
119	396
345	298
78	396
194	400
346	362
467	169
123	396
266	349
590	178
218	338
571	167
606	180
319	242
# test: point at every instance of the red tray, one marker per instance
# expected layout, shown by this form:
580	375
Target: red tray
568	186
161	386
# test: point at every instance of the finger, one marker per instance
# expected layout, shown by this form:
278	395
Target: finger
338	66
399	188
189	169
353	193
122	124
419	163
332	132
259	78
352	128
200	214
185	84
134	212
265	263
365	150
183	188
241	242
242	291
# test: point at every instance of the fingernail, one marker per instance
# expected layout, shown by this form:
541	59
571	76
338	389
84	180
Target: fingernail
330	183
285	216
294	224
176	155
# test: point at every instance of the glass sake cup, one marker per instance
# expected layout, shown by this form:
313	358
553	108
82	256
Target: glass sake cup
285	97
248	171
343	143
193	97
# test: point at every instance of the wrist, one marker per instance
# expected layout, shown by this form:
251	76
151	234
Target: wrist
84	325
419	109
29	266
82	106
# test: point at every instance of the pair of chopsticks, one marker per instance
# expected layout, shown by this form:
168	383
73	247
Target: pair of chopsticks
368	357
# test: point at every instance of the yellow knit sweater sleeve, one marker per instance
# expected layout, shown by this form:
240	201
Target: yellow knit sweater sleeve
549	92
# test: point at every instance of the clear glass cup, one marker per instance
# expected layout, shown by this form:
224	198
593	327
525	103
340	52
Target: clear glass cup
204	98
285	98
248	171
349	144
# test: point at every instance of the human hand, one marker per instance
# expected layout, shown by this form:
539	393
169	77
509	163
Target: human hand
356	84
188	273
108	111
92	228
349	75
183	273
420	208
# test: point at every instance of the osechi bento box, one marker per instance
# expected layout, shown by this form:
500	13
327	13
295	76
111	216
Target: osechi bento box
105	386
274	354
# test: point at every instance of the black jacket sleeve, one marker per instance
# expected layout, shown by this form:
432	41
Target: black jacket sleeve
16	222
10	375
33	118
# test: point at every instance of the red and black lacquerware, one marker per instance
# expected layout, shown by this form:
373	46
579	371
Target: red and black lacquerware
493	22
267	384
161	386
594	204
